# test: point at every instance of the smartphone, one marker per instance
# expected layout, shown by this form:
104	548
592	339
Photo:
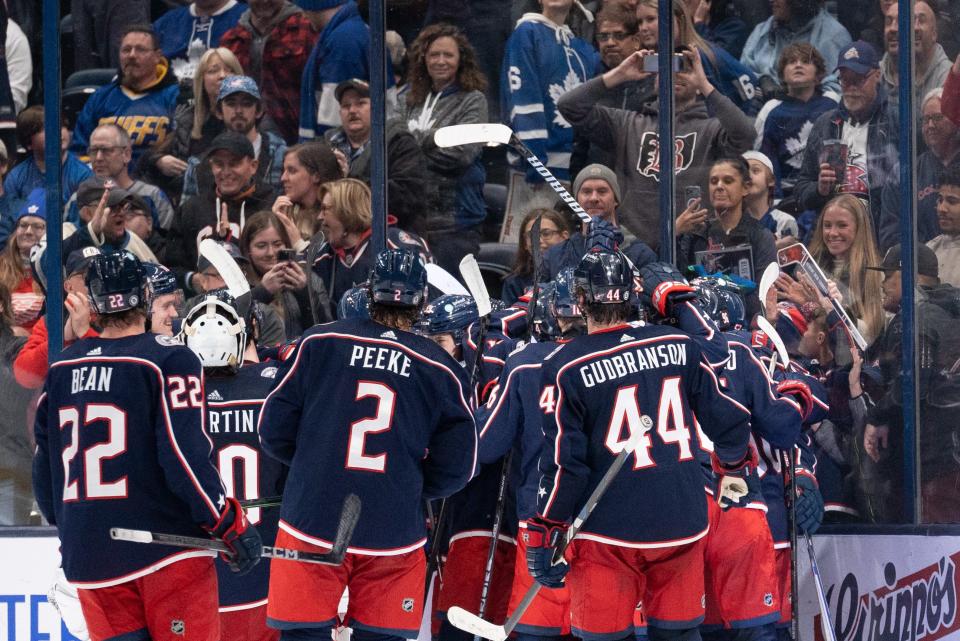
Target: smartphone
789	260
691	193
286	255
651	63
835	153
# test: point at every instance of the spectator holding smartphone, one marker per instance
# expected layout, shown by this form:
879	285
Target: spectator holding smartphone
276	278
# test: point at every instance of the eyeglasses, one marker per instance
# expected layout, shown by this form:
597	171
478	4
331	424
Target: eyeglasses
547	234
38	227
854	79
603	36
932	119
95	151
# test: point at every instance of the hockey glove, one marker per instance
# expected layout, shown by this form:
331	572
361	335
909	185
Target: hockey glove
737	480
603	235
664	287
543	538
240	536
810	506
800	392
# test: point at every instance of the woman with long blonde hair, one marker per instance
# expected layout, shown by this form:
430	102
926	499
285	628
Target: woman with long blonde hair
843	245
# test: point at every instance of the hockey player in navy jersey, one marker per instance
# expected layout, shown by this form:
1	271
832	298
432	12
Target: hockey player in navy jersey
370	408
644	541
512	419
224	339
120	443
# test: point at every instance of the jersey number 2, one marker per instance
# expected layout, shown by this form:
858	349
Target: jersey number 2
670	425
92	473
381	421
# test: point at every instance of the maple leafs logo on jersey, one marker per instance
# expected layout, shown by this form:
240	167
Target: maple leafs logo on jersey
795	146
648	162
570	81
214	396
96	351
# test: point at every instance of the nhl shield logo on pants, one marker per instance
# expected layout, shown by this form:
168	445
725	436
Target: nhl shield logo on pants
407	605
177	627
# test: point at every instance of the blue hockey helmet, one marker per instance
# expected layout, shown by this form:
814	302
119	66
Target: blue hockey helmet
565	295
162	280
719	302
355	303
116	282
398	278
448	314
544	319
604	277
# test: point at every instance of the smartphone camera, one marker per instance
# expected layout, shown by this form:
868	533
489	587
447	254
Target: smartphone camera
286	255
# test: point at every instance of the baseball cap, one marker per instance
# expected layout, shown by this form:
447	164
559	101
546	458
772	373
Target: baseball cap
36	204
80	259
90	192
138	203
234	142
859	57
926	261
238	84
203	264
596	170
360	86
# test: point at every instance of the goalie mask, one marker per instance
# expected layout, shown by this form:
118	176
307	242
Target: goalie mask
215	331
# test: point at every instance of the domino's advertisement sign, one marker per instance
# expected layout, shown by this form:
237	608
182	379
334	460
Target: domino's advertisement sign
883	588
29	568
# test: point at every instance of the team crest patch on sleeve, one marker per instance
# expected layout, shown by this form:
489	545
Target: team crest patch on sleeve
167	341
407	605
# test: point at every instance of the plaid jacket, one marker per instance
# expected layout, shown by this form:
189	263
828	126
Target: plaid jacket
283	54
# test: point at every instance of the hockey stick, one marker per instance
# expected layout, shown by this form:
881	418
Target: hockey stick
226	266
794	578
444	280
266	501
767	328
497	134
534	240
770	275
825	627
469	622
349	516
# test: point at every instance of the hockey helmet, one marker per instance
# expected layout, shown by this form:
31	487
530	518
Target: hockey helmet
355	303
216	331
448	314
162	280
398	278
565	296
116	282
604	277
720	303
544	319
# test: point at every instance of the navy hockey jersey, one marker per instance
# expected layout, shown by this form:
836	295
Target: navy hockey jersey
541	62
233	410
121	443
631	384
366	409
511	419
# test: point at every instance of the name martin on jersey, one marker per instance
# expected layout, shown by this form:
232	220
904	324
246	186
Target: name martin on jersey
631	362
230	421
90	378
383	358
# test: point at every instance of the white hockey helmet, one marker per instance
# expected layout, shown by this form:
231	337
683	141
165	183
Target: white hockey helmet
215	331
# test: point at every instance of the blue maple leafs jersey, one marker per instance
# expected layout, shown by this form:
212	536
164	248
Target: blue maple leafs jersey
121	443
633	384
233	410
366	409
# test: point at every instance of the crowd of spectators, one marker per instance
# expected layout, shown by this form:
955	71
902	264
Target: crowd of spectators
250	124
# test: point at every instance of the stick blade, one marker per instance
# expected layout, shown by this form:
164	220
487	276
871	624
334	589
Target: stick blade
471	623
444	280
770	274
134	536
767	328
226	266
470	271
349	516
487	133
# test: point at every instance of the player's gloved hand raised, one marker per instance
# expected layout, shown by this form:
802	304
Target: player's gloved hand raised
736	480
810	506
797	388
663	287
603	235
543	537
240	536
